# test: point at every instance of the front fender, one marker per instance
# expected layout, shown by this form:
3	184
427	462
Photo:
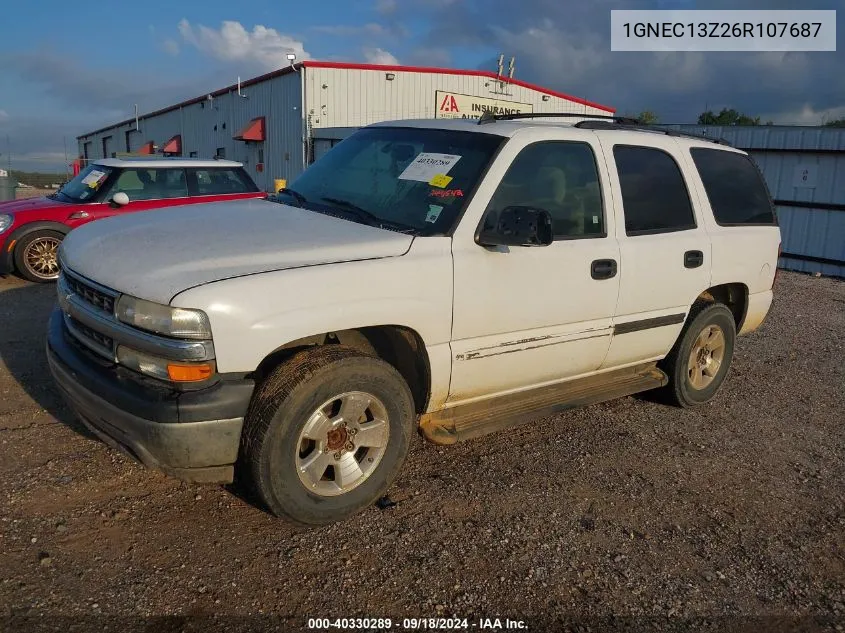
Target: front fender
254	315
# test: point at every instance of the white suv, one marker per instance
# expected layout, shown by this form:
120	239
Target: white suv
454	277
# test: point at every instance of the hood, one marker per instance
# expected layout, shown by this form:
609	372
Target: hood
29	204
155	255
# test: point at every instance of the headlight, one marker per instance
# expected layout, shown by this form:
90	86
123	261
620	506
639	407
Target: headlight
5	222
161	319
163	369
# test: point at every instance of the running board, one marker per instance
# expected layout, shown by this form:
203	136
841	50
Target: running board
475	419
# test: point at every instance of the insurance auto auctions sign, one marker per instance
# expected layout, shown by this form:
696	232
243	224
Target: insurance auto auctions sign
451	105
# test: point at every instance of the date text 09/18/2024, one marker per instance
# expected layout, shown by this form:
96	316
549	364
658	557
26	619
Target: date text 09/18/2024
484	624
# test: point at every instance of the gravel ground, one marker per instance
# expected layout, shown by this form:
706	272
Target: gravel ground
628	515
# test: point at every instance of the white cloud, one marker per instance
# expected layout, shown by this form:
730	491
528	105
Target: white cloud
379	56
232	42
806	115
170	46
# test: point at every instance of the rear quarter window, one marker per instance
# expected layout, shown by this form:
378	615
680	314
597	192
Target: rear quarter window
221	181
735	188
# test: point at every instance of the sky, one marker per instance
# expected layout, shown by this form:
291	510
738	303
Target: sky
68	68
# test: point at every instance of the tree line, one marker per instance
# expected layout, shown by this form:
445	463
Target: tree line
37	179
727	116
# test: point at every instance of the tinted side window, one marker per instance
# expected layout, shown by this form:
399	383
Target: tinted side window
654	195
734	186
559	177
213	181
151	184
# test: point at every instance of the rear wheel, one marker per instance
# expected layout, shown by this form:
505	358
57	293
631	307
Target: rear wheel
698	363
326	434
36	256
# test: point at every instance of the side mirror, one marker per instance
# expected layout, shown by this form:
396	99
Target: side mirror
518	226
120	199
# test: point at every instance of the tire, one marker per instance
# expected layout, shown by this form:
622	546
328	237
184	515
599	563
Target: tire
35	256
696	372
294	431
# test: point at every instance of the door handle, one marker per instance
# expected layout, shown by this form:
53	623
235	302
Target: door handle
693	259
603	269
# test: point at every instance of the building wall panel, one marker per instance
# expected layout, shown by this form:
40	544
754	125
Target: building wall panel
337	97
210	124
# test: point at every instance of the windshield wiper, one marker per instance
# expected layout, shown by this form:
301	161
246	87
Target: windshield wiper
294	194
369	218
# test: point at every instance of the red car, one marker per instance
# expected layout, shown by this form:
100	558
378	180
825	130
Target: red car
31	230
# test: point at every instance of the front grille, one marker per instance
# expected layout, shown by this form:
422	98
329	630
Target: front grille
95	341
89	294
98	337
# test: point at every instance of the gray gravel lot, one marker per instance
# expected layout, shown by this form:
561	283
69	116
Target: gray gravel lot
628	515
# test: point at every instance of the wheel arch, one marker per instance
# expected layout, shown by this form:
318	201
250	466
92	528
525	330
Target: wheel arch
733	295
400	346
14	238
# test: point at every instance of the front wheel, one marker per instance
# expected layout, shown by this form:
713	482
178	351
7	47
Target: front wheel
698	363
36	256
326	434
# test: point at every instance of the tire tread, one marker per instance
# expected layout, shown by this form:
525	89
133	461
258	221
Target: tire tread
269	396
700	310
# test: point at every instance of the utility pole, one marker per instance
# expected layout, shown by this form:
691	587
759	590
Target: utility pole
9	153
67	166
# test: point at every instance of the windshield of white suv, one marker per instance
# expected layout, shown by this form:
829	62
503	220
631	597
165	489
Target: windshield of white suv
414	180
85	186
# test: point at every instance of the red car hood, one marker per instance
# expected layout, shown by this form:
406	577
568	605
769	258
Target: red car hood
30	204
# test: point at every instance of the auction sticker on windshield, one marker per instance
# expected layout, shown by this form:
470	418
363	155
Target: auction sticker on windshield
93	179
433	213
440	180
427	165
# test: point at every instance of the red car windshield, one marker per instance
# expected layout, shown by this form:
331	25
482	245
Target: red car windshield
86	185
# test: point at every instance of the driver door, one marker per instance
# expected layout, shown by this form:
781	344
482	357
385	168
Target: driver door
526	316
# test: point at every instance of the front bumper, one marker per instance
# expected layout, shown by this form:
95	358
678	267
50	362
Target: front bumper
191	435
7	265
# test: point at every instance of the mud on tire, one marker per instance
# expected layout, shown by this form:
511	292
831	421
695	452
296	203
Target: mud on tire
701	357
308	412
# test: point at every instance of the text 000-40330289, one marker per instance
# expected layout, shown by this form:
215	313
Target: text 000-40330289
416	624
734	30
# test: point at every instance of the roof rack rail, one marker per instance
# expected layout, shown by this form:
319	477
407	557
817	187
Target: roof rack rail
642	127
488	117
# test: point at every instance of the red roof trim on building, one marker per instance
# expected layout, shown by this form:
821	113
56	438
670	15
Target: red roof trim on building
173	146
351	66
252	131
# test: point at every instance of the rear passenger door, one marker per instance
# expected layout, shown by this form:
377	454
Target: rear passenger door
664	246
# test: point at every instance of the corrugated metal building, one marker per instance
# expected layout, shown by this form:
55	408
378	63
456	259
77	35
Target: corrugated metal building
805	170
278	123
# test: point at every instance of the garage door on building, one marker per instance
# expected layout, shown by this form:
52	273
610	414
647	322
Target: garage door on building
133	141
322	146
327	137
